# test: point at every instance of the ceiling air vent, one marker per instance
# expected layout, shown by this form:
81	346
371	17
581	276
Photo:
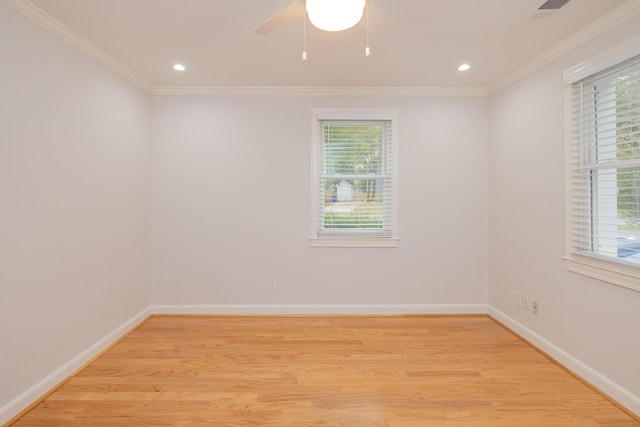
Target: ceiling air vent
545	10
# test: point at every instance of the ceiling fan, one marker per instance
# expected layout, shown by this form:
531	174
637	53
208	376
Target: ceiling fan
315	10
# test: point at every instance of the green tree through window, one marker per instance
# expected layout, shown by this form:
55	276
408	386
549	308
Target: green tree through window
628	148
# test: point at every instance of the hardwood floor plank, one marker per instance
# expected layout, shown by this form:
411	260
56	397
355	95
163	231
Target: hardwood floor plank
396	371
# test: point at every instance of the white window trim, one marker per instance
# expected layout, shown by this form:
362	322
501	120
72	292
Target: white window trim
615	272
354	241
600	271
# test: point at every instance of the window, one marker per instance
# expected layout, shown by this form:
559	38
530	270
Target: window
354	183
605	173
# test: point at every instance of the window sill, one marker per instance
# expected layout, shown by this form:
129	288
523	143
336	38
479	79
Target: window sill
603	272
345	242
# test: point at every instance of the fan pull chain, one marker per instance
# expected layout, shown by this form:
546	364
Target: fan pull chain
367	50
304	36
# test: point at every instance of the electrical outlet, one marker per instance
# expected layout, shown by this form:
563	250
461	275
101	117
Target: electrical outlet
535	307
525	302
273	284
517	296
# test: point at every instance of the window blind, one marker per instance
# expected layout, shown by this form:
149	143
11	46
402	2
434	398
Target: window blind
354	180
605	157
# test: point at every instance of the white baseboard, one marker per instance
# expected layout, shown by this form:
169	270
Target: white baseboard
322	309
35	392
621	395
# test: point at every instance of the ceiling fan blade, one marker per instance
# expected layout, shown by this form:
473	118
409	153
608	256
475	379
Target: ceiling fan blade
288	14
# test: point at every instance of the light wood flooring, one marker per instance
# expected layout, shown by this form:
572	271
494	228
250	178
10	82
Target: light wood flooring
324	371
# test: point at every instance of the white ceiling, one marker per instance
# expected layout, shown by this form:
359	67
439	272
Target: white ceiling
416	43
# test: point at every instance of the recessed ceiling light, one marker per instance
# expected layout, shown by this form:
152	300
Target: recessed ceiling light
179	67
464	67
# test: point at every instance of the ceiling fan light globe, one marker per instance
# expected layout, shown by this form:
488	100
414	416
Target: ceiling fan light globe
335	15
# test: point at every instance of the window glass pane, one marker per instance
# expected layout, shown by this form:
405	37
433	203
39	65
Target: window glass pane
628	213
353	204
627	116
352	149
616	213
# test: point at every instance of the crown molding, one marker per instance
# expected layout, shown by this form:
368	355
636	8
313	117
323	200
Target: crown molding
57	28
319	91
51	24
602	25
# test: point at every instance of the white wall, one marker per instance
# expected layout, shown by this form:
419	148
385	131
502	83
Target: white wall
595	323
231	207
74	173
